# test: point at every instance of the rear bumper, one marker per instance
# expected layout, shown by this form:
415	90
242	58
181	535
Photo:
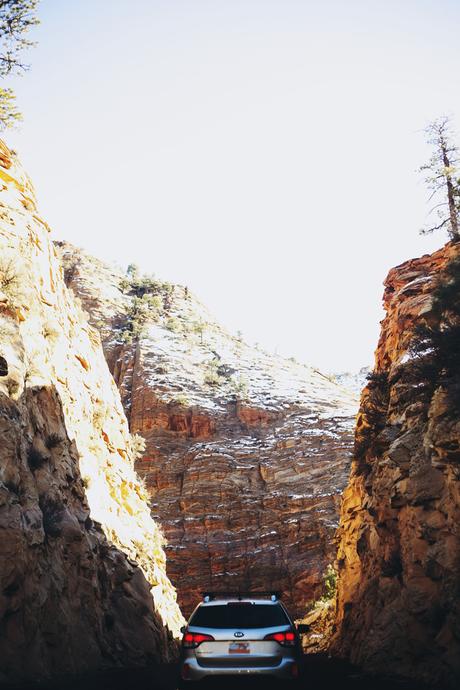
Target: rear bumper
191	670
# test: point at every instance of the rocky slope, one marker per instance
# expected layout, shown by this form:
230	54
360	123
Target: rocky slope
82	566
247	453
353	380
399	541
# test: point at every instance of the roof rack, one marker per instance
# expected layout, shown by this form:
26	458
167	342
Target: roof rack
211	596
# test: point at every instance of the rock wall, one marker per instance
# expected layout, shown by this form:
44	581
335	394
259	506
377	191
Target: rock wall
82	566
247	453
399	538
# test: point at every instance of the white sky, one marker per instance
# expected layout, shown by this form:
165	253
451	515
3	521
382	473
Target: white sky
263	152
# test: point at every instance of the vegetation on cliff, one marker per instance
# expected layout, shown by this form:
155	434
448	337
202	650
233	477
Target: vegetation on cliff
442	178
17	17
150	299
436	342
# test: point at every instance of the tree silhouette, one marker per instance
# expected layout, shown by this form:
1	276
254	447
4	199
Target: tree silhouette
441	178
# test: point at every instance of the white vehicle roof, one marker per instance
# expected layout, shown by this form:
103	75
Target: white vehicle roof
244	600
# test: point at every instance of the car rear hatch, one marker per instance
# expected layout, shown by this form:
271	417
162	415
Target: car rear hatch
245	648
243	643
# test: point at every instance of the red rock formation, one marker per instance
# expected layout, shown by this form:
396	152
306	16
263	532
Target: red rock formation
253	417
399	539
82	568
247	453
188	423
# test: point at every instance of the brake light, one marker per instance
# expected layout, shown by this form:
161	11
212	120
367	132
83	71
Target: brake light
286	639
192	640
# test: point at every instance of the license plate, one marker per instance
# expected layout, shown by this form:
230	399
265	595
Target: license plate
239	648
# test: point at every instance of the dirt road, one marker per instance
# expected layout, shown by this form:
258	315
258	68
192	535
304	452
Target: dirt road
319	673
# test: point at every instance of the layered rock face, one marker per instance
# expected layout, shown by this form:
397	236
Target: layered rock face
82	567
399	540
247	453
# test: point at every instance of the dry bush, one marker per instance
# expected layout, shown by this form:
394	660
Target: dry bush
173	324
86	481
35	458
182	399
8	330
36	366
240	387
136	446
52	330
12	281
53	440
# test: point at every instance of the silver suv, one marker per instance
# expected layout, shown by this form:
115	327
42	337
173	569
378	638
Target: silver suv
233	634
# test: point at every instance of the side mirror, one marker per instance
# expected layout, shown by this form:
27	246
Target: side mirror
303	628
183	629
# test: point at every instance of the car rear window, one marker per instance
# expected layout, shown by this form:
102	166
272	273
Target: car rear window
235	615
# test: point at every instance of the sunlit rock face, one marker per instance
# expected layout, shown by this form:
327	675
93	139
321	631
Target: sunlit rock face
82	568
399	541
247	453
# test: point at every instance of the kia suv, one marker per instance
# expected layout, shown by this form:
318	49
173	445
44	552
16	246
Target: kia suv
244	635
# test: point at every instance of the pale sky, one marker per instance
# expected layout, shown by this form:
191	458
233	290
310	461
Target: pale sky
262	152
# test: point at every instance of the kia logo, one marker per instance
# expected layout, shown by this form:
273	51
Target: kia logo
238	634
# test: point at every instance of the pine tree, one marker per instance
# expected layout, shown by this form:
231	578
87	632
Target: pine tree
17	17
441	178
436	342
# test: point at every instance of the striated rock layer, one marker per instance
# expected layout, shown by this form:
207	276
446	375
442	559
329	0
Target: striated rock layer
82	567
399	538
247	453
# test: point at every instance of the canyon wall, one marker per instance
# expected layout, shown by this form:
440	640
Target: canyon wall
399	538
82	566
247	453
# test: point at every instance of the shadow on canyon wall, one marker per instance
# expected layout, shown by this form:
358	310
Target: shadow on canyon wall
71	600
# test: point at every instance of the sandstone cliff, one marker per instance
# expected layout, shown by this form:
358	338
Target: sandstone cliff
247	453
399	539
82	566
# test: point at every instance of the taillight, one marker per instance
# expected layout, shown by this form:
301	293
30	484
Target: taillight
192	640
286	639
